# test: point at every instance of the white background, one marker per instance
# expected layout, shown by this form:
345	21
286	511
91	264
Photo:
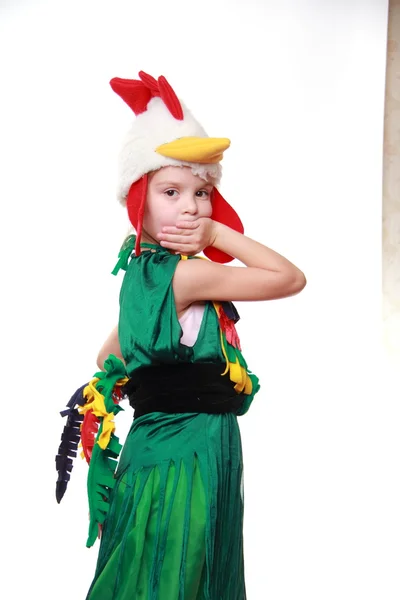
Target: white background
298	86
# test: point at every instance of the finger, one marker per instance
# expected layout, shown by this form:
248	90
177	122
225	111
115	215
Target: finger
172	231
179	248
176	239
187	224
176	230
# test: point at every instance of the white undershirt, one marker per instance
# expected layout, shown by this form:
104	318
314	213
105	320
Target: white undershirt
190	322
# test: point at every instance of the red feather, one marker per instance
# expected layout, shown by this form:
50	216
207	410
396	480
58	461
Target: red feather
229	329
89	429
117	394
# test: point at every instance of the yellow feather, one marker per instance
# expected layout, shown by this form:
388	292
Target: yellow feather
95	403
249	386
225	354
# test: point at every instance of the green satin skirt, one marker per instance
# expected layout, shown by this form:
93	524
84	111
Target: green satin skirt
174	530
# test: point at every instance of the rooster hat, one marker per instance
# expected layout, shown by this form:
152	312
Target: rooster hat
163	134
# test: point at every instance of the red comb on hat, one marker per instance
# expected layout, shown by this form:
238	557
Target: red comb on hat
138	93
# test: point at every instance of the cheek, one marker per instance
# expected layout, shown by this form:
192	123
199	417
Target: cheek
207	210
150	219
168	215
153	212
159	215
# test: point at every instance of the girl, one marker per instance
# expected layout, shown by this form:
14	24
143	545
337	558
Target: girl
173	511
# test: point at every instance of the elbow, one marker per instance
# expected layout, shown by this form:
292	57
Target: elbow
100	361
283	284
298	282
301	280
291	283
102	357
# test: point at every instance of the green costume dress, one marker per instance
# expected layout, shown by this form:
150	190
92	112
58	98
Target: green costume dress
174	527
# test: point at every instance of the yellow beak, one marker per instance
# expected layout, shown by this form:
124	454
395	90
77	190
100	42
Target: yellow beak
195	149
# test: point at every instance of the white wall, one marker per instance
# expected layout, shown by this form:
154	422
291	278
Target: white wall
298	86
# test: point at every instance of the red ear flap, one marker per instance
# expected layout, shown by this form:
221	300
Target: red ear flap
223	213
136	203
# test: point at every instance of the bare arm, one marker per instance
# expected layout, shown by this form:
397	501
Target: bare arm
268	275
250	252
110	346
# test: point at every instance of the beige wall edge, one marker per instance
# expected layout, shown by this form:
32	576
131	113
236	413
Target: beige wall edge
391	189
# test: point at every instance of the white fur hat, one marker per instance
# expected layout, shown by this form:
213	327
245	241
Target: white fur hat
155	138
166	134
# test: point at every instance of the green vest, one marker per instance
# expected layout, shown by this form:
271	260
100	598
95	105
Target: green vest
149	330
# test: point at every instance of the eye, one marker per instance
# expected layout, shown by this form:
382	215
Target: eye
203	194
170	193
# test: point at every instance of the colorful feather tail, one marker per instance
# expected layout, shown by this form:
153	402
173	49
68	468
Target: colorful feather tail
101	447
70	439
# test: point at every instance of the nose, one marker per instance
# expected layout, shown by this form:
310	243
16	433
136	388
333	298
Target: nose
189	204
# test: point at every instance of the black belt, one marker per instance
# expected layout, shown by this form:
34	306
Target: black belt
181	388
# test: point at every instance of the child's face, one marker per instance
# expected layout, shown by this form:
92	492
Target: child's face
174	194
